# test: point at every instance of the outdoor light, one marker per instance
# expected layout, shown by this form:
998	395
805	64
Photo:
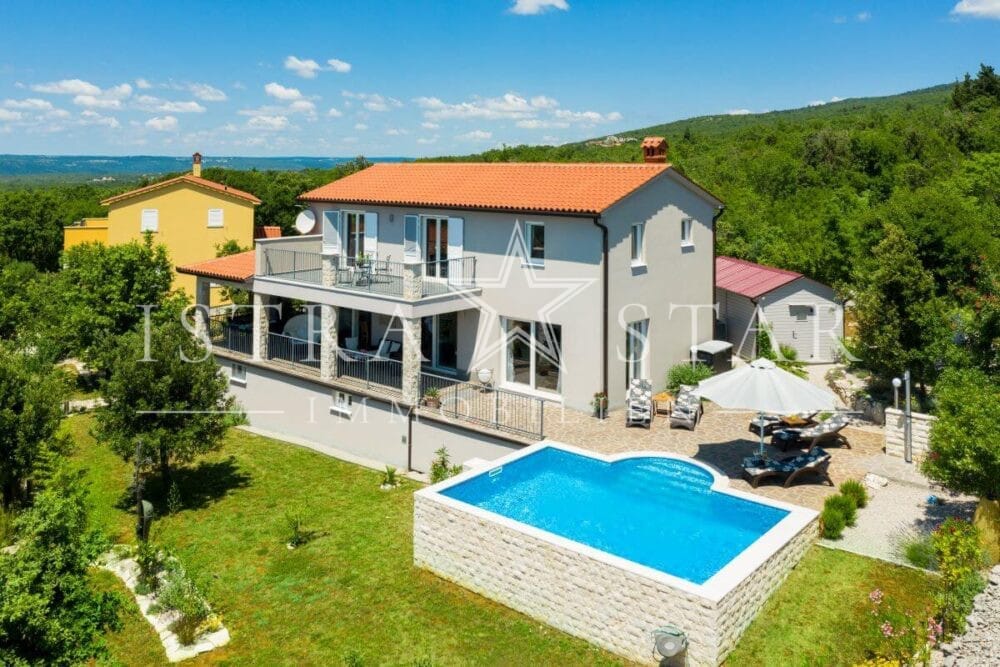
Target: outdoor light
896	384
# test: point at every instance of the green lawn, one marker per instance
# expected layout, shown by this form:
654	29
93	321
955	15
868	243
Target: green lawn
352	596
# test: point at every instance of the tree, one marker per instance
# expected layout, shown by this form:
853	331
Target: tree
965	441
31	396
49	613
173	400
901	322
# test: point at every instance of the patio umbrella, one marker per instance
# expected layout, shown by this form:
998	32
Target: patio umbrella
764	388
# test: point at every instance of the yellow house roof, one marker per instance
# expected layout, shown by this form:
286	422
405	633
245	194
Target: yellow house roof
190	179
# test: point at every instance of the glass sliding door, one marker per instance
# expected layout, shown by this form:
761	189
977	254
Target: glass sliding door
354	226
436	244
439	341
636	356
534	355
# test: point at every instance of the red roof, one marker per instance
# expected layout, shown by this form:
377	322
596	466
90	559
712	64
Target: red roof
239	267
749	279
267	232
504	186
197	181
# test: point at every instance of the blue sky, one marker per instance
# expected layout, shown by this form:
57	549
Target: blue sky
425	78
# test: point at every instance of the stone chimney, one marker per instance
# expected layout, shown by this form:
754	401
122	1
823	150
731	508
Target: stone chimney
654	149
196	164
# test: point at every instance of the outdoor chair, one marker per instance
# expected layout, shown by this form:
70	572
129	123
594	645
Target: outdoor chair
771	423
827	431
814	462
686	409
639	403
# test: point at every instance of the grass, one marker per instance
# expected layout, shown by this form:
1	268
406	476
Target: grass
818	615
352	596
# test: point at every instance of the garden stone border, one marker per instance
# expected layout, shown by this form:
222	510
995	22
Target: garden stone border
127	569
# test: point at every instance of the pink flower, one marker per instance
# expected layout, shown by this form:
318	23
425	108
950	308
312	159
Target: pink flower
887	629
934	630
876	596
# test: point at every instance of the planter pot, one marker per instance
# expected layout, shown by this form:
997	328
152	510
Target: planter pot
432	403
601	412
987	520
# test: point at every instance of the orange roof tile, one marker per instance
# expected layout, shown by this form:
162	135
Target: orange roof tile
185	178
239	267
267	232
507	186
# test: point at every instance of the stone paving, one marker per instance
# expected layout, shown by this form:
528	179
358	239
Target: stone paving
722	439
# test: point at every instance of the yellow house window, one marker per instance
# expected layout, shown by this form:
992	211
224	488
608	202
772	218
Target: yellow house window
150	221
215	217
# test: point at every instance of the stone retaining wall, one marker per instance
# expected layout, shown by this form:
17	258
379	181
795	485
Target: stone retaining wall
607	605
895	428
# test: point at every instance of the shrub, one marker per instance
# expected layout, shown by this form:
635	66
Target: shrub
295	522
174	503
918	551
855	490
150	561
899	637
441	467
959	556
845	505
389	477
686	373
832	523
180	594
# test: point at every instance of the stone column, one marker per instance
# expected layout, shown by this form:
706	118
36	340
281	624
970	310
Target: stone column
260	326
330	261
202	302
413	280
411	360
328	342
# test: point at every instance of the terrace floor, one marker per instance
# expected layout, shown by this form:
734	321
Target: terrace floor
722	440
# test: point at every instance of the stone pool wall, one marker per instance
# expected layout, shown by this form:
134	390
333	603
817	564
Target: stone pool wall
607	605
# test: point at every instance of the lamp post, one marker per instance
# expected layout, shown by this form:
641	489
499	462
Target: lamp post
907	414
896	384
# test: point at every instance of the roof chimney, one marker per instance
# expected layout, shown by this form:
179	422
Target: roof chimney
196	164
654	149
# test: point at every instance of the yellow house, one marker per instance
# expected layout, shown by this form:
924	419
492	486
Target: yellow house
190	215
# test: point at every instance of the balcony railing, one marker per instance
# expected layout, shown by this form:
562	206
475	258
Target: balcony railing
230	335
374	276
372	371
296	352
499	409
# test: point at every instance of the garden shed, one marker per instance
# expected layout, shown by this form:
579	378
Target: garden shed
802	313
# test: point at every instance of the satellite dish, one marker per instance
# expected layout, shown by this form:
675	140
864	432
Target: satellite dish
305	221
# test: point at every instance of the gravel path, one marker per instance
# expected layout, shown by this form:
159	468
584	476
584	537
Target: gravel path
980	645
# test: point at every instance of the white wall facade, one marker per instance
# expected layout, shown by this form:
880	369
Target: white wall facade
806	315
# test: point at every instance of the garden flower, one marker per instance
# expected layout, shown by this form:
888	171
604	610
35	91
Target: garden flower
886	629
876	596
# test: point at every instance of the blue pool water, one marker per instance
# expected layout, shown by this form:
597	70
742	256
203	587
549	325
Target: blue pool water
654	511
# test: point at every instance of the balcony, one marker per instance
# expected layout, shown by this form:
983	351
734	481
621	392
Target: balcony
370	276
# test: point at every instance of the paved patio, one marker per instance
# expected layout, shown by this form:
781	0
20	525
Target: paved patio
721	440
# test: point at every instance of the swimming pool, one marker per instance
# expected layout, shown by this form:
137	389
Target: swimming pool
611	548
655	511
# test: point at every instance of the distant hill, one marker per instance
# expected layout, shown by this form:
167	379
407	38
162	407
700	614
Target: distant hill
104	168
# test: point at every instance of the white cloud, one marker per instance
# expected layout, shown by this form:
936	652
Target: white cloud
817	103
427	125
334	112
90	117
476	135
307	68
67	87
836	99
109	98
373	101
302	106
738	112
264	122
30	104
977	9
280	92
537	123
531	7
543	102
427	140
162	123
339	66
143	84
539	111
207	93
7	115
156	105
360	127
863	17
586	117
395	132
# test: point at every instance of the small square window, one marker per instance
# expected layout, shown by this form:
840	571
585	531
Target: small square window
535	233
150	221
215	217
238	374
342	404
638	244
687	225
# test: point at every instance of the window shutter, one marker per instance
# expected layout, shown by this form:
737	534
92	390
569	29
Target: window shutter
411	238
150	220
456	248
371	234
215	218
331	231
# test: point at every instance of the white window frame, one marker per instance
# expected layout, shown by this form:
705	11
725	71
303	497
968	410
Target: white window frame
530	388
342	403
687	232
637	331
220	217
638	241
345	226
238	374
154	218
528	259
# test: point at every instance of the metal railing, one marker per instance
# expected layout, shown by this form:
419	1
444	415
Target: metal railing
295	351
448	275
370	370
230	335
499	409
298	265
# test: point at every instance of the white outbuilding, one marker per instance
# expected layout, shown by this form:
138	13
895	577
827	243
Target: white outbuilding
802	313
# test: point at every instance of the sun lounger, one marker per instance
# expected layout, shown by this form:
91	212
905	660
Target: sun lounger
814	462
639	403
824	432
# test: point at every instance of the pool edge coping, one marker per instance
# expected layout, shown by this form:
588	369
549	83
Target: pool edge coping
714	589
